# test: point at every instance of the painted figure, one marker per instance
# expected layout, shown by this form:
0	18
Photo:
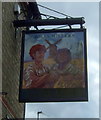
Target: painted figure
70	76
36	74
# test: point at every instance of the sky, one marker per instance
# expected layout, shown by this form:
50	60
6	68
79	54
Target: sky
70	40
90	109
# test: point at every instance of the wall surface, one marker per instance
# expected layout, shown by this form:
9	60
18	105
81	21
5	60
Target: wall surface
0	57
11	50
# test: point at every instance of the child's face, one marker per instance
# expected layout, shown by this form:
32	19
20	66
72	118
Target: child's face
63	57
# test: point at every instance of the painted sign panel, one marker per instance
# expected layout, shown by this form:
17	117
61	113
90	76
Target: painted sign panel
53	66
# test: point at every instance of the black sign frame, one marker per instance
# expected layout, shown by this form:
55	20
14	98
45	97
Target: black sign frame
53	94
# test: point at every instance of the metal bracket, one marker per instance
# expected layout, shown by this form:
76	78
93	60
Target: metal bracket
46	22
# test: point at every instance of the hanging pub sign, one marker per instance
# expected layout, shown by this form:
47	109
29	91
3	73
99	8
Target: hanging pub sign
53	66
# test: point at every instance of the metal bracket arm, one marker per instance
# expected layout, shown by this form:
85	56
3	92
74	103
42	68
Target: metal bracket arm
44	22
